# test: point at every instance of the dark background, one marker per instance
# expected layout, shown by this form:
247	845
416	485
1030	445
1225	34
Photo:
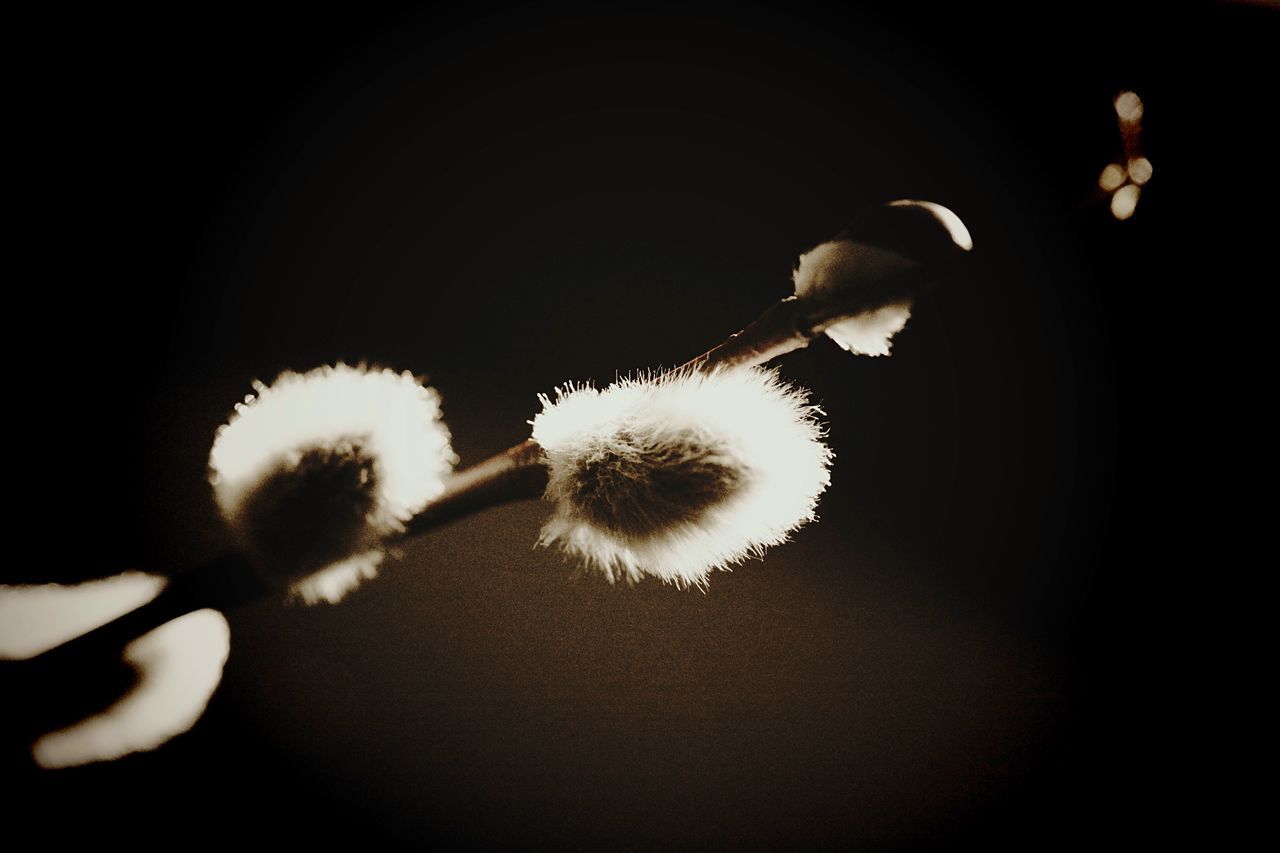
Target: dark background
506	199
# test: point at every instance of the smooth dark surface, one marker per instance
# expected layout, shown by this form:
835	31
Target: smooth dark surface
958	652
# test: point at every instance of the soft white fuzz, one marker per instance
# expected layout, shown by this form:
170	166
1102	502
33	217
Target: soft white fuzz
316	469
35	618
679	475
179	667
179	664
840	264
846	265
332	583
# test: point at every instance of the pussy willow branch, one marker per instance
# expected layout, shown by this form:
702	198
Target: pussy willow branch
517	473
790	324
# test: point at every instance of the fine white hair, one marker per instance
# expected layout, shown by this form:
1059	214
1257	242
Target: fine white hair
678	475
315	470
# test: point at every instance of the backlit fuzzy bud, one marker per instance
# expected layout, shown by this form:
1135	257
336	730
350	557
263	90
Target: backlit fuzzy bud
179	667
678	475
178	664
826	268
876	265
314	471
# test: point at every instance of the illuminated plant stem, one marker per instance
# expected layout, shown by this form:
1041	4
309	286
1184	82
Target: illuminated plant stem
517	473
790	324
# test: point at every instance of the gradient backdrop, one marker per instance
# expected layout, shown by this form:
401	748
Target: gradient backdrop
507	199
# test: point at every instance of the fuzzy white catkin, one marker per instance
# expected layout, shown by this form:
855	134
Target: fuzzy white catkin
36	617
679	475
316	469
179	664
179	667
